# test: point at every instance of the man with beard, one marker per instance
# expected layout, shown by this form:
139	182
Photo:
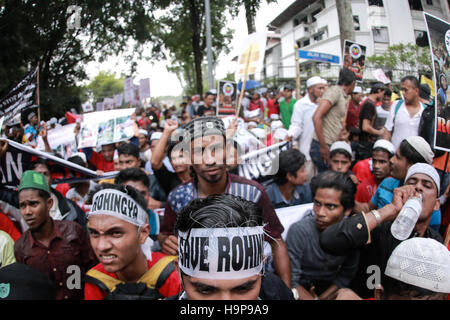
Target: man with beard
205	138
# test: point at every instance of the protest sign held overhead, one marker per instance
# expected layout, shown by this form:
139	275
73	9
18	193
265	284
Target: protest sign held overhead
21	97
227	98
439	37
108	104
118	100
99	128
251	56
128	88
355	58
144	88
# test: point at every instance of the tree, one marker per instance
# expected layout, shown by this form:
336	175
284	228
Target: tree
182	35
404	58
104	85
251	8
346	25
33	32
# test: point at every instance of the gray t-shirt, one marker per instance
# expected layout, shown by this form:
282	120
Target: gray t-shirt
309	262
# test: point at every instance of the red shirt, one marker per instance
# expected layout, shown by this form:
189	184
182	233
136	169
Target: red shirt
362	169
256	105
100	163
366	190
353	115
8	226
171	287
69	246
272	107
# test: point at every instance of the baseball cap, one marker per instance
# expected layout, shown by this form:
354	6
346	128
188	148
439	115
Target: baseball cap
33	180
421	262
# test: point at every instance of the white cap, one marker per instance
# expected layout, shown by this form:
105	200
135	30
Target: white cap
156	136
421	262
82	155
276	125
280	134
358	90
422	147
427	170
259	133
252	123
341	145
384	144
313	81
274	116
144	132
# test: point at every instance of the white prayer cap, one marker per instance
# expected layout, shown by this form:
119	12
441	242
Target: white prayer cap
276	125
31	115
156	136
274	116
82	155
384	144
324	81
358	90
313	81
341	145
422	147
259	133
427	170
280	134
143	131
252	123
53	120
421	262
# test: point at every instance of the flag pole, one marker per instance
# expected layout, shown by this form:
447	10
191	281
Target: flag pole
241	95
37	93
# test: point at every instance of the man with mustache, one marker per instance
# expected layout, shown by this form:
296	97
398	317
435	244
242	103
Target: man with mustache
204	138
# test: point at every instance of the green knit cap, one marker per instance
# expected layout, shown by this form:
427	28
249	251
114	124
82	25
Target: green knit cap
34	180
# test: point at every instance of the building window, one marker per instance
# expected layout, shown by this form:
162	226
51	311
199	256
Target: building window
415	5
380	34
306	42
430	2
319	37
356	23
377	3
421	38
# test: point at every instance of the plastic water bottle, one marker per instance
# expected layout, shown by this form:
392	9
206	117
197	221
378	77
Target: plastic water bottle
407	218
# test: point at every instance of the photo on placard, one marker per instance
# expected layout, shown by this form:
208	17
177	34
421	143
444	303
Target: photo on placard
123	128
439	38
105	132
355	58
88	135
227	98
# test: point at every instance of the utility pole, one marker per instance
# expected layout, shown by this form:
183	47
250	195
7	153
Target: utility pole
209	45
346	25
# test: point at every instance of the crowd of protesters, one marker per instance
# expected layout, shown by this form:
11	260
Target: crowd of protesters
356	152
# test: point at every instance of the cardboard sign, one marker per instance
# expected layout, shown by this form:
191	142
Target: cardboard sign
226	98
355	58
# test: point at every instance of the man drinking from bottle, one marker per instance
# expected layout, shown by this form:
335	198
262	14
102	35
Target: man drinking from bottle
370	232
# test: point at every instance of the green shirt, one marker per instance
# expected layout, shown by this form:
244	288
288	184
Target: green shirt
6	249
286	110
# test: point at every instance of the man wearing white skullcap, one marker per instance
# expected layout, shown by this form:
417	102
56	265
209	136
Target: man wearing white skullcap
302	127
418	269
371	231
119	230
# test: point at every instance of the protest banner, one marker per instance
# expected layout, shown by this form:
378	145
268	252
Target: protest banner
99	106
20	98
108	104
381	76
144	88
354	58
439	39
128	88
87	107
99	128
227	98
18	158
61	140
136	98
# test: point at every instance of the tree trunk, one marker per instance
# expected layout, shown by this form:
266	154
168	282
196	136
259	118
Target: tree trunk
196	37
346	25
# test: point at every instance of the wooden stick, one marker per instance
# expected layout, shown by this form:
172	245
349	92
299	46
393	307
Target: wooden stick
241	95
297	71
37	93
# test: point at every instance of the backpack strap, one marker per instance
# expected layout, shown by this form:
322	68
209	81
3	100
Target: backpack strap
397	108
102	280
158	274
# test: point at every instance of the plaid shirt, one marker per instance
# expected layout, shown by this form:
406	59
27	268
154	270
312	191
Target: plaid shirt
69	245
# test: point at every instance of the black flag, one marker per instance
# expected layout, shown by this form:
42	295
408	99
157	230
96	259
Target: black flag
20	98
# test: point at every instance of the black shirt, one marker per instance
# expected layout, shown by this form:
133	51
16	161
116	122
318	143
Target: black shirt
204	111
352	234
368	112
167	180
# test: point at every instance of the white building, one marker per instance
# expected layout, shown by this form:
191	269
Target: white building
314	26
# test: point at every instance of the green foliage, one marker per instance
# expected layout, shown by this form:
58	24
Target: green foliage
408	58
104	85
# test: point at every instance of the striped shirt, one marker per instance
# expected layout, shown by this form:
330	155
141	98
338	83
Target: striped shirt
237	186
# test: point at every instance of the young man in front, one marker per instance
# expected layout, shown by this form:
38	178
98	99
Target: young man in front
313	270
205	140
119	229
51	246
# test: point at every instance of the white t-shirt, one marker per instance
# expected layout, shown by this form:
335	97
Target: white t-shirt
302	126
405	126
